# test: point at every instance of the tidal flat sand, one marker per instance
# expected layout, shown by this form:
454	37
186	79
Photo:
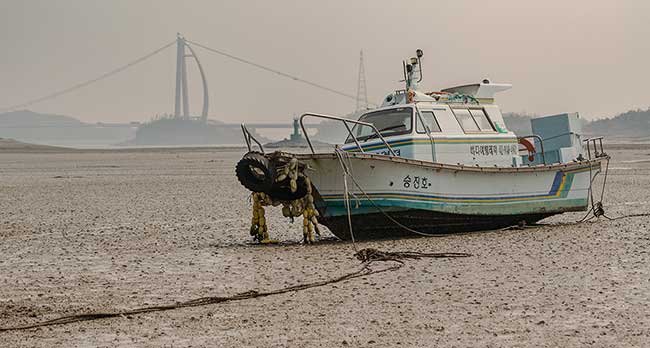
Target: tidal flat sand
88	231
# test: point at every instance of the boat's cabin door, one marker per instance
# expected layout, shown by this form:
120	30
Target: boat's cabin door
427	124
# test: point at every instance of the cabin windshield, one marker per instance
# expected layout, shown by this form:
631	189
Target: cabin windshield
388	123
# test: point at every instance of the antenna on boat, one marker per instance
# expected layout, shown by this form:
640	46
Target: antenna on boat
419	54
411	68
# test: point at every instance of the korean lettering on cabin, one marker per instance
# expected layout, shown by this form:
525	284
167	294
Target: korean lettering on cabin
388	153
493	150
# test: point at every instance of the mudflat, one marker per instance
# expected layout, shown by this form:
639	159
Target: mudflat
96	231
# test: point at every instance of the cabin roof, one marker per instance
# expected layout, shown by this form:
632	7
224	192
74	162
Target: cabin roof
479	90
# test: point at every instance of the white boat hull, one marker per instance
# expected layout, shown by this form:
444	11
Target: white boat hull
436	198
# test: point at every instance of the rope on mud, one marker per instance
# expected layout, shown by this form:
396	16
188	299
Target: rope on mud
626	216
367	256
371	255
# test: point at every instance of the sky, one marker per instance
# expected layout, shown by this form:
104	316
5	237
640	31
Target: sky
587	56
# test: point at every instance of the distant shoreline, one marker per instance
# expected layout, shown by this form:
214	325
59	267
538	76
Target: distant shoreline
13	146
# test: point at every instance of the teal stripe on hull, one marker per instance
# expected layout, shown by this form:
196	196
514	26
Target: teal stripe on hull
337	207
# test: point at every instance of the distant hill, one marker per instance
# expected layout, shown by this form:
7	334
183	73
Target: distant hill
26	118
48	129
10	145
633	125
170	131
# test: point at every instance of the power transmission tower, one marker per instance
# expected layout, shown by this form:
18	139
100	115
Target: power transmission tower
362	92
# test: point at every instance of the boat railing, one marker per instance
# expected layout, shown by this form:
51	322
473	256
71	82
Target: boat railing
347	126
597	146
541	144
248	137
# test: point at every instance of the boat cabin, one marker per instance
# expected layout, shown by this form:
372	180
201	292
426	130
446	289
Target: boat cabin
454	128
460	125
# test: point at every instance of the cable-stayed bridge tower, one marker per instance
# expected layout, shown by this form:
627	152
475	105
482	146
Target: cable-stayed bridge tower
181	103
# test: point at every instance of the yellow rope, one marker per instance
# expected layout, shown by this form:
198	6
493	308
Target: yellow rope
292	209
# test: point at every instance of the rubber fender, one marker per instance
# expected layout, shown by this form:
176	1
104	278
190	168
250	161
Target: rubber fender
255	172
281	192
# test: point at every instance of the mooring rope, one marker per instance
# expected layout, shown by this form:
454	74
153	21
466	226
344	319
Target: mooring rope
597	208
366	256
346	194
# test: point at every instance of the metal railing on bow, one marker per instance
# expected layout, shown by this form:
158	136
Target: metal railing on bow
248	137
347	126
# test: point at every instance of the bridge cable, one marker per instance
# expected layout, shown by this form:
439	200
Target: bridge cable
283	74
88	82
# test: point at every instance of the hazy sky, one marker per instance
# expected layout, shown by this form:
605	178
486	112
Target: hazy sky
589	56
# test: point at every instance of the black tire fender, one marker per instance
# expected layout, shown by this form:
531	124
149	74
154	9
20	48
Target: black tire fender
280	190
255	172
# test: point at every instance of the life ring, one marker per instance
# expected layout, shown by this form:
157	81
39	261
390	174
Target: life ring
530	147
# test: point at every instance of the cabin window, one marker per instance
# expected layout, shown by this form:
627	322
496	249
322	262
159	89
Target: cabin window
466	120
388	123
473	120
429	120
481	119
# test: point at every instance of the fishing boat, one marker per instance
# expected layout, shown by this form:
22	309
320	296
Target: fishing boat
430	163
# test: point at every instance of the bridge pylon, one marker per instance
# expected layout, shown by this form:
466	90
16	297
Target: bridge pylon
181	102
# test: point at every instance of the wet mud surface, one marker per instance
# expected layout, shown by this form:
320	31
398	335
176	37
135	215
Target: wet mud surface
113	230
